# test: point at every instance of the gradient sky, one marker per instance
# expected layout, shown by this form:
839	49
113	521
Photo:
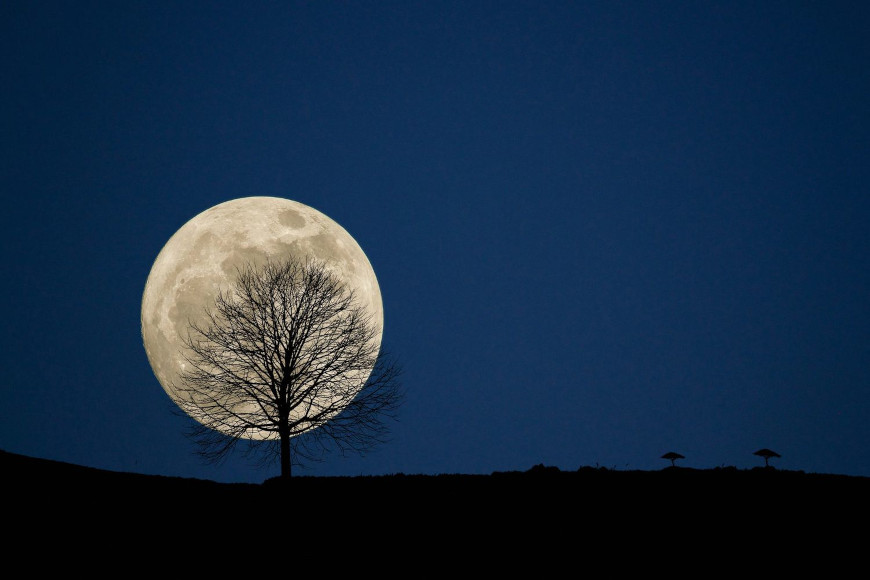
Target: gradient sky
603	230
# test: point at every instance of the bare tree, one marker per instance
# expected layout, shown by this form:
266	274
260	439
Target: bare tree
288	361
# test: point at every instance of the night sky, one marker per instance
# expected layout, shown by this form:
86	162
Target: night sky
602	230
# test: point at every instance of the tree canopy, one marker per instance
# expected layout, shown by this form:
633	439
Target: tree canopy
288	361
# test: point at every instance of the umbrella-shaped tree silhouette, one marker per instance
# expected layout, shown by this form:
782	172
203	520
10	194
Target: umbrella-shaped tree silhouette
672	456
767	454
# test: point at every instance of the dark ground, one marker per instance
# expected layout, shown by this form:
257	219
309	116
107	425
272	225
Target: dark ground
538	522
542	512
765	501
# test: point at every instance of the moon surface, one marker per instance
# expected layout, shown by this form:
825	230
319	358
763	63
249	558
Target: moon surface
201	258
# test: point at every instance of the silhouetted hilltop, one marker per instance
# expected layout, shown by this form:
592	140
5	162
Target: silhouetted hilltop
760	500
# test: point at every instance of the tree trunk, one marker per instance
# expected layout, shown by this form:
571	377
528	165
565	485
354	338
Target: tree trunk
284	434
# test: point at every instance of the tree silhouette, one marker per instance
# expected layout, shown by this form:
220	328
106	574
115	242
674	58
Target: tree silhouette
672	456
767	454
288	361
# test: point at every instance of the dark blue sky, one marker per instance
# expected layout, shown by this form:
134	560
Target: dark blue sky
602	230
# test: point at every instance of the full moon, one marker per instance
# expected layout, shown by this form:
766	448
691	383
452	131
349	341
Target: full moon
201	258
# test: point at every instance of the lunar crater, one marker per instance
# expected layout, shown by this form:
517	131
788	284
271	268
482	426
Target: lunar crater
291	219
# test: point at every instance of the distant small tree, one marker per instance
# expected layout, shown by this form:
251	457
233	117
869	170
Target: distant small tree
290	362
767	454
673	457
